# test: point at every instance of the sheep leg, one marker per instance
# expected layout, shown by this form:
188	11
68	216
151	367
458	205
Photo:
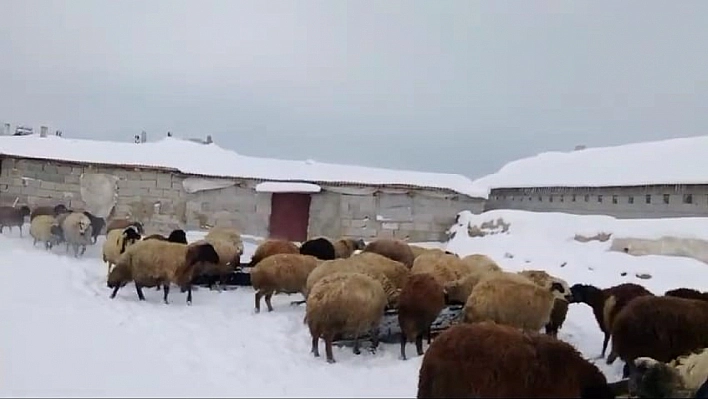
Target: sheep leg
605	341
328	347
430	333
315	346
139	290
267	301
166	290
83	250
35	242
157	288
20	231
189	294
258	301
356	349
297	303
374	339
403	346
419	344
115	291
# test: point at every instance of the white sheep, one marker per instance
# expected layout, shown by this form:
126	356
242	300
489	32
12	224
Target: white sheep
42	229
77	232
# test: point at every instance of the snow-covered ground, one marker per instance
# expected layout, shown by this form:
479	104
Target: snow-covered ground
62	336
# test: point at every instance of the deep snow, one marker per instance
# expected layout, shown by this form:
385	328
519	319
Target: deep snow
62	336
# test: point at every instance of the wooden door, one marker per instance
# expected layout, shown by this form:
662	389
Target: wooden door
289	216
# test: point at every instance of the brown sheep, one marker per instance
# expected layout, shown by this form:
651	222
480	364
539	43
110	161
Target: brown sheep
272	247
13	217
344	303
660	327
396	271
595	298
688	293
153	262
510	299
49	210
345	247
417	251
397	250
278	273
560	305
488	360
419	304
326	268
444	268
122	224
481	262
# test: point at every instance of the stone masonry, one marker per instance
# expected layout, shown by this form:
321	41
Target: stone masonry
158	199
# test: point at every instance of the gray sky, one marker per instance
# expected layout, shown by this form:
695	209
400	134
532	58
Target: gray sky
450	86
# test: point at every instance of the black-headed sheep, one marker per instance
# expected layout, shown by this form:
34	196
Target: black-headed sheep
320	247
49	210
688	293
154	262
77	232
680	378
345	247
13	217
115	244
122	224
397	250
97	225
511	299
177	235
419	304
596	298
41	230
272	247
286	273
487	360
660	327
344	303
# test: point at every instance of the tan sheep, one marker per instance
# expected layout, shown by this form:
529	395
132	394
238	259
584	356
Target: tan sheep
481	262
77	232
417	250
272	247
444	268
226	233
345	247
116	242
229	256
153	262
395	271
326	268
506	298
459	290
397	250
344	303
41	229
286	273
561	291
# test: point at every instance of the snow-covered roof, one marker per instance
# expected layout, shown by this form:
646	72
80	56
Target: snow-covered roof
211	160
287	187
674	161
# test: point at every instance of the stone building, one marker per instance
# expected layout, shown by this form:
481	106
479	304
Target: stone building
175	183
644	180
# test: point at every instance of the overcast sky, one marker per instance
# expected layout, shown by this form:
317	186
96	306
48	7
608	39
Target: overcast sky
450	86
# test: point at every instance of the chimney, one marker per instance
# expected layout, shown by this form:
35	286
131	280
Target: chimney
580	147
208	139
143	136
6	130
43	131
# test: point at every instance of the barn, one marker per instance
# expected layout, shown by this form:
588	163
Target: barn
175	183
656	179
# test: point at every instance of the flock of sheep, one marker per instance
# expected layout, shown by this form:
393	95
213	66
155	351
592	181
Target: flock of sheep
494	349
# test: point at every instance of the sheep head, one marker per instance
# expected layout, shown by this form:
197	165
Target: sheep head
59	209
130	237
25	210
178	236
580	293
455	291
559	290
650	378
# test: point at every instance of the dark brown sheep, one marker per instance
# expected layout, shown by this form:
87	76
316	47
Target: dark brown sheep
13	217
660	327
124	223
272	247
49	210
488	360
595	298
393	249
419	304
177	235
688	293
320	247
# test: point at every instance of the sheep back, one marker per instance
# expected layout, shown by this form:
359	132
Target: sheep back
48	210
272	247
345	303
509	301
481	262
397	250
444	268
660	327
488	360
345	247
227	233
326	268
285	273
41	229
320	248
419	304
417	250
395	271
687	293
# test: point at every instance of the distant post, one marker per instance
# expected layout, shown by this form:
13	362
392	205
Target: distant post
43	131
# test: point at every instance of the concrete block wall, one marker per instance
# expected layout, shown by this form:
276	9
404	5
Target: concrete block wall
620	202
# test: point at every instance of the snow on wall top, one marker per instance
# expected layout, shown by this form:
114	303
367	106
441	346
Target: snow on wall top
211	160
674	161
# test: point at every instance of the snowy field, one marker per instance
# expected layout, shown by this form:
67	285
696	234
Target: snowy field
62	336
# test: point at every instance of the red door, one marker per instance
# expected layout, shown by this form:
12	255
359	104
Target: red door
289	216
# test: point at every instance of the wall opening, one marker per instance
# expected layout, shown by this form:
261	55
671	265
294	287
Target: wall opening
289	216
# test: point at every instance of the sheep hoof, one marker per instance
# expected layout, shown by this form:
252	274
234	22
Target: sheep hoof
189	303
357	351
330	361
